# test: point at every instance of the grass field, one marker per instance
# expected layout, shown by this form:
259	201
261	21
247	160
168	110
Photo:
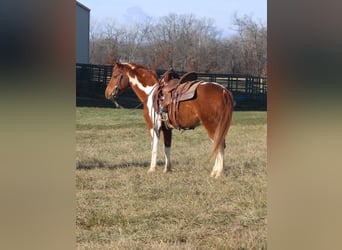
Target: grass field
121	206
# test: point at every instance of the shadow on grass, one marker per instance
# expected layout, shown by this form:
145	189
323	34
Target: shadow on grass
96	163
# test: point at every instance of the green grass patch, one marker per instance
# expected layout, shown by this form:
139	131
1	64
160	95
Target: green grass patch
120	206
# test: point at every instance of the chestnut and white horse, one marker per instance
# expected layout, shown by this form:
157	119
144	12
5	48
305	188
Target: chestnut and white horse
212	107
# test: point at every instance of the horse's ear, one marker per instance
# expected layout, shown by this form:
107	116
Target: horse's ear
117	64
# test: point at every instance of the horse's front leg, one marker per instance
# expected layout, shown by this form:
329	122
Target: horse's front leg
167	133
154	146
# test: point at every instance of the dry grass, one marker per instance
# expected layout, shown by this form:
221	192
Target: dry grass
120	206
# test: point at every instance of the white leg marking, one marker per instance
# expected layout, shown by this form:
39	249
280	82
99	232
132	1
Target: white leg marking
156	124
167	151
155	140
218	167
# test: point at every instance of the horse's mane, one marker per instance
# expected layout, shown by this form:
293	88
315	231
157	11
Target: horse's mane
137	67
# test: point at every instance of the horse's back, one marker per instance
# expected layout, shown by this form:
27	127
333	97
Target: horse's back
207	105
211	95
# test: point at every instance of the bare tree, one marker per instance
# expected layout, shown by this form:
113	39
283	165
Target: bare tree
253	44
183	41
134	37
105	41
94	36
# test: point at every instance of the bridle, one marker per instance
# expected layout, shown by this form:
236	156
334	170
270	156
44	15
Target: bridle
117	86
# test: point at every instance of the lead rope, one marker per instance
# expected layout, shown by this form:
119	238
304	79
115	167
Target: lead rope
117	105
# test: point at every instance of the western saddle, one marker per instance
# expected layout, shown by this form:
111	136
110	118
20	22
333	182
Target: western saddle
173	90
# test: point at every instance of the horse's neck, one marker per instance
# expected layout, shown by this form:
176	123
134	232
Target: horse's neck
142	89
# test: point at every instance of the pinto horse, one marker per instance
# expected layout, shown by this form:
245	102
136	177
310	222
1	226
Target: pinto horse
212	106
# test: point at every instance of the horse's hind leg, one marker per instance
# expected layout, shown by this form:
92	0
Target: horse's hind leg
218	169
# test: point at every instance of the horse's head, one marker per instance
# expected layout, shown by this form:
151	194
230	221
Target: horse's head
118	82
132	75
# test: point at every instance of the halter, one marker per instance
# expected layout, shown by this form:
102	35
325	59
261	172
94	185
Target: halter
117	86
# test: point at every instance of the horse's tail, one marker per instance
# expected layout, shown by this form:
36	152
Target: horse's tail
224	122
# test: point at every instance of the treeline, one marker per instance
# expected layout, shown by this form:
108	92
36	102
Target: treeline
183	41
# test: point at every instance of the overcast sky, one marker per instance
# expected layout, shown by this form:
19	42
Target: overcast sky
220	11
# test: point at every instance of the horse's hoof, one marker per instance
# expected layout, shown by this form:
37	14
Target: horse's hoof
167	170
216	175
151	170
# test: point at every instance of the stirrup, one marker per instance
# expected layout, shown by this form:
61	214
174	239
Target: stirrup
165	119
164	116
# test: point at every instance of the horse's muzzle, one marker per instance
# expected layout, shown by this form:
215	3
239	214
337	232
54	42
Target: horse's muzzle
111	95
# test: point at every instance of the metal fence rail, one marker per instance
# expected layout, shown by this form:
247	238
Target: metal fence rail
250	92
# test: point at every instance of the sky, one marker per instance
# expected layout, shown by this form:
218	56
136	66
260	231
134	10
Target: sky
220	11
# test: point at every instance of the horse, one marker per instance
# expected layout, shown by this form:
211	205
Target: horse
212	107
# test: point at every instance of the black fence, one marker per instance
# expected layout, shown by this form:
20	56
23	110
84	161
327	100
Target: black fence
250	92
